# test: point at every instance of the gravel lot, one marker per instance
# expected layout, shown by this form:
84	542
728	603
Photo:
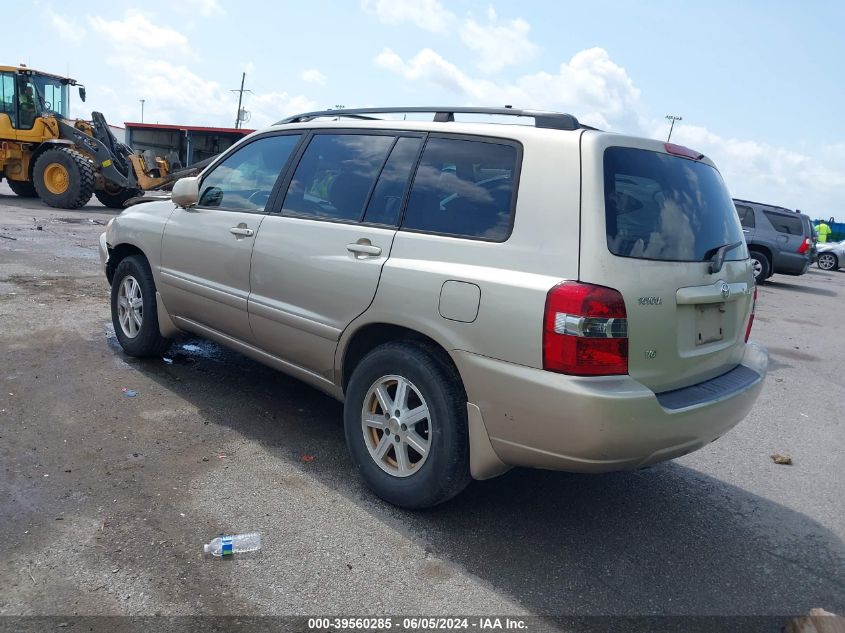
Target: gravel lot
106	500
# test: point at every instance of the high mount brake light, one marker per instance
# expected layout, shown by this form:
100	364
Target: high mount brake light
685	152
585	330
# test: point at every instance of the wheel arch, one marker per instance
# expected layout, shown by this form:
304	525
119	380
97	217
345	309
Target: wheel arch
43	147
357	343
118	253
763	250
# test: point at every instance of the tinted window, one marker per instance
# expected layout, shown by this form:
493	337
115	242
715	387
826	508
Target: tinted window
244	180
791	225
463	188
386	202
746	216
335	176
664	207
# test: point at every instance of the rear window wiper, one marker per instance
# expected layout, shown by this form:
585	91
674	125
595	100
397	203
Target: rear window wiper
717	260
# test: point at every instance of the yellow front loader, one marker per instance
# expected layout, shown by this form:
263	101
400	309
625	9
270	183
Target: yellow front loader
45	154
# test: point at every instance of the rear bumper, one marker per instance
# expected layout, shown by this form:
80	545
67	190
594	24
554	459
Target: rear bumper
541	419
792	263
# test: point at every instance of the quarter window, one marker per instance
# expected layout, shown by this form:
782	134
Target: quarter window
335	176
245	180
463	188
785	223
7	96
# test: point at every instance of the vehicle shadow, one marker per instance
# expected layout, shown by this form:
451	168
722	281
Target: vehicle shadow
803	289
667	540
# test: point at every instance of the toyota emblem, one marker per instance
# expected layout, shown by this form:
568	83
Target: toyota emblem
725	290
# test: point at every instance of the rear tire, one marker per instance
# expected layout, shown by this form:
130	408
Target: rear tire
409	479
761	266
828	261
134	309
118	199
22	189
64	178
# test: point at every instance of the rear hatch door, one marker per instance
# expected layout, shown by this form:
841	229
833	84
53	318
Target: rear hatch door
653	218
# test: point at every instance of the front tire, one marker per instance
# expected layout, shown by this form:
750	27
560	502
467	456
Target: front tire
761	266
133	309
64	178
405	418
828	261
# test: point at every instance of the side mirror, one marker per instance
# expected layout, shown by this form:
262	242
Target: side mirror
186	192
82	93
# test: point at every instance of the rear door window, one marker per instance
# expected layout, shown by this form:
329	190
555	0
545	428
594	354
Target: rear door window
667	208
386	202
464	188
783	223
335	176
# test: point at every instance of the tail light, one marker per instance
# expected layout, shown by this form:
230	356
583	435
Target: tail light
585	330
805	246
751	318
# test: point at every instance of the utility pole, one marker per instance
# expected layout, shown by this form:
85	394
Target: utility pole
240	92
672	118
142	109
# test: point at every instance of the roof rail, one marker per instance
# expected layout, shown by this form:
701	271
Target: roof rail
444	114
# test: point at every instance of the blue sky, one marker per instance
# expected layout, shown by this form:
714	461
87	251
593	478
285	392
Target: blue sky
759	84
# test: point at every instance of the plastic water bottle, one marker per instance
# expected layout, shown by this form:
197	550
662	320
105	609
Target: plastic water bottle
235	544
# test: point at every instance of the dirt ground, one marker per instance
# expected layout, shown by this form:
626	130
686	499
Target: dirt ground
106	499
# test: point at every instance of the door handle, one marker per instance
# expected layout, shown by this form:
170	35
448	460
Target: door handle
241	231
364	249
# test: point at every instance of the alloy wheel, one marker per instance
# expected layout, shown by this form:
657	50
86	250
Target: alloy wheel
396	424
130	306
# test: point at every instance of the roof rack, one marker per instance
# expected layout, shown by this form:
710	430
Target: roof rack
542	119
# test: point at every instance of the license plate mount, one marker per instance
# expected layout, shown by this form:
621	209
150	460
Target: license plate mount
709	323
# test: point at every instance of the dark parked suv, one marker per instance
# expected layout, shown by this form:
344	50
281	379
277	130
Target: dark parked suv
779	240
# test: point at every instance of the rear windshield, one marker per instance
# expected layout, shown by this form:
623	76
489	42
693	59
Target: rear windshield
667	208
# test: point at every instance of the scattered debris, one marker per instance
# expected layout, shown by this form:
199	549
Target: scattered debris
784	460
309	458
205	459
129	393
9	237
234	544
100	222
169	361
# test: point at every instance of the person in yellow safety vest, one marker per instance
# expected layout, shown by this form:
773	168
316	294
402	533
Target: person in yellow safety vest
823	230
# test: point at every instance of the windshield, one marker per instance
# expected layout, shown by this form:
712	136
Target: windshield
53	94
667	208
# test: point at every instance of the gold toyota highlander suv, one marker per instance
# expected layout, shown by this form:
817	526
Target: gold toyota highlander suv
479	295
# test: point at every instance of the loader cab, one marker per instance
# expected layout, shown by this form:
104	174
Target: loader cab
26	95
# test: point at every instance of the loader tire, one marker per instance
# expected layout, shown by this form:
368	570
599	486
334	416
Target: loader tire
118	199
64	178
22	189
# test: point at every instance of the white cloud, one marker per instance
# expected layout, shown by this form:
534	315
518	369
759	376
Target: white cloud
206	8
498	43
136	31
175	94
429	15
767	173
67	29
590	85
313	76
